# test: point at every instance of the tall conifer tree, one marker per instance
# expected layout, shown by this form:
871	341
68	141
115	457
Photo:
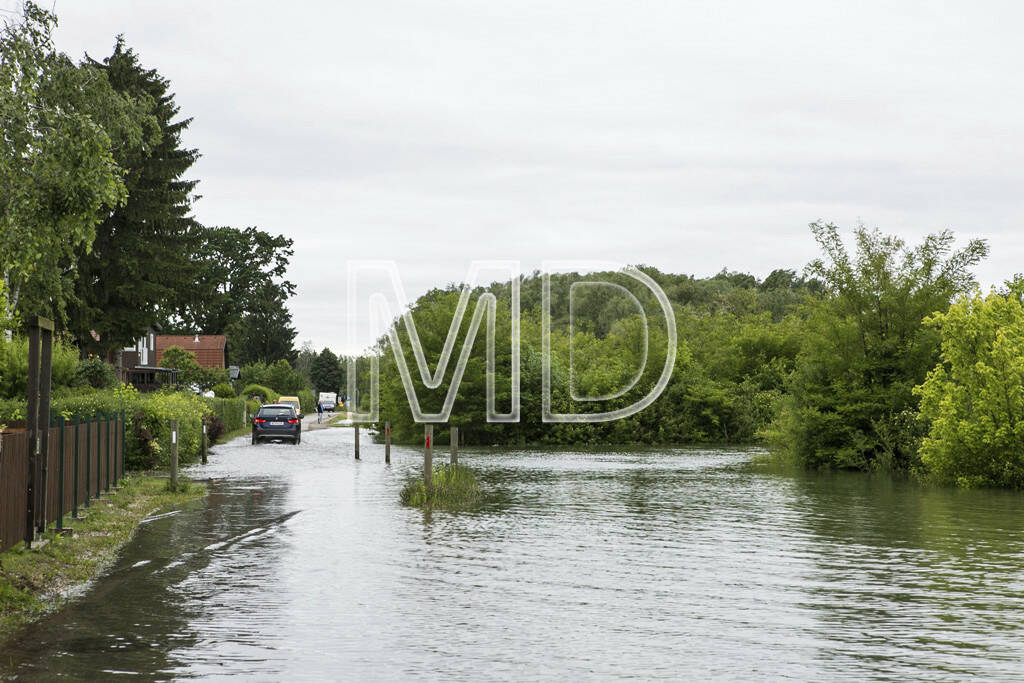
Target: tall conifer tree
140	262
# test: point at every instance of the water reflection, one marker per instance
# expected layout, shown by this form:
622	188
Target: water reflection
913	579
647	564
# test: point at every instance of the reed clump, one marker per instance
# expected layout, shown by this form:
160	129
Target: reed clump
454	487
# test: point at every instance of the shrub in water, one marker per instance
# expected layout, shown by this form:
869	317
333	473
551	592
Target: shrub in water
454	487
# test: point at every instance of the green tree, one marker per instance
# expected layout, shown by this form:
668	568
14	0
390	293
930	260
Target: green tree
235	267
264	332
304	361
973	401
283	379
326	373
140	261
57	170
190	372
864	348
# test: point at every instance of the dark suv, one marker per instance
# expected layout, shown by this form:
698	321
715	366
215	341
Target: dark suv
276	421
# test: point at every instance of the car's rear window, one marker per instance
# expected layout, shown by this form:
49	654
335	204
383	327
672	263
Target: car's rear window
276	412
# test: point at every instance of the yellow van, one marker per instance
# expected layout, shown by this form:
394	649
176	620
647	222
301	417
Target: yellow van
292	401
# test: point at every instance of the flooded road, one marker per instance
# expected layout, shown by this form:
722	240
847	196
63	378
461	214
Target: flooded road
301	565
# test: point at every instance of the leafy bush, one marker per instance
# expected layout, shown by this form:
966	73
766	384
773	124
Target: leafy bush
14	366
973	400
189	370
224	390
12	409
96	373
307	401
149	417
214	428
267	394
228	410
251	406
279	376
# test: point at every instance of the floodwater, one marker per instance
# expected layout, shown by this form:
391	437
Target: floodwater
680	564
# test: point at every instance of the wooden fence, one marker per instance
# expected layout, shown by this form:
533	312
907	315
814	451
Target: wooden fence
85	457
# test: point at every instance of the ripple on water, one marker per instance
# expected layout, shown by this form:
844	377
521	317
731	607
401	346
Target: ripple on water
652	564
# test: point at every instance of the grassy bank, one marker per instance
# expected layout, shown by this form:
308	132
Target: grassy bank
454	488
35	582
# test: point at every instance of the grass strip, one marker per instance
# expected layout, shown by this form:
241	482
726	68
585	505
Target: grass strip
34	583
454	487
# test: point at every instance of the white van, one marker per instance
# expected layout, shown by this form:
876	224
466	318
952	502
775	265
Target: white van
329	400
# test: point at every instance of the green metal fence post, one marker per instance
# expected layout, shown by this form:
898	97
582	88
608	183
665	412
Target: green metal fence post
74	487
109	433
60	476
88	459
99	455
122	441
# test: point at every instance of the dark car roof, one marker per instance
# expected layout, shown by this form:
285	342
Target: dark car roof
277	405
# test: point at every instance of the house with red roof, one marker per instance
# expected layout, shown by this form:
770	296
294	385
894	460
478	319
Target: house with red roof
211	350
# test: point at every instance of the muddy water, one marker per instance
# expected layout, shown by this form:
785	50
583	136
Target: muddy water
301	565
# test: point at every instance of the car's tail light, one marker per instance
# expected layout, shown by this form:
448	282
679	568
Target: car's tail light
259	420
293	421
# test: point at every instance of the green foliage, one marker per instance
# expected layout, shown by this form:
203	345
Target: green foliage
278	375
95	373
266	394
230	411
148	416
307	401
973	400
252	405
264	332
452	488
240	290
189	371
140	261
8	317
14	367
224	390
865	347
732	361
326	372
56	163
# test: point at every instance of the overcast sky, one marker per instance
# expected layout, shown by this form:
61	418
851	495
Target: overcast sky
690	136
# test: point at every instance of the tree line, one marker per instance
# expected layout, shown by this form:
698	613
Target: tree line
885	356
96	224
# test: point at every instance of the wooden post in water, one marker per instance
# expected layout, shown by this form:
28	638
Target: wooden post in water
204	443
356	426
428	458
174	455
387	443
454	446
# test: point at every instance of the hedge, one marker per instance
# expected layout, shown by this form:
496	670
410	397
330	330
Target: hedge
267	394
148	434
307	401
230	411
